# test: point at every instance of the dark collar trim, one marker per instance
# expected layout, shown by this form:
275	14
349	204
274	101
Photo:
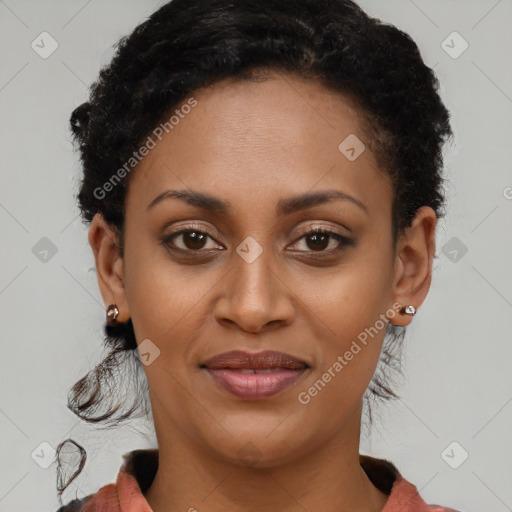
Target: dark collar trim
143	465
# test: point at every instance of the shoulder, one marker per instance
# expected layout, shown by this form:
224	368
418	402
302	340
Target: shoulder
403	495
438	508
105	499
134	477
75	505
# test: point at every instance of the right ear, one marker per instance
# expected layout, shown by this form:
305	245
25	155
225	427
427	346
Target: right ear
104	241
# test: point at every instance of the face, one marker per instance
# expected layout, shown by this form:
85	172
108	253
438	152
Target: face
251	274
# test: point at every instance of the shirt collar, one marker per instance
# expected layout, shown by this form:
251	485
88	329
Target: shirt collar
140	466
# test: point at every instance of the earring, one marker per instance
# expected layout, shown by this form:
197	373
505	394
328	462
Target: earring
112	313
409	310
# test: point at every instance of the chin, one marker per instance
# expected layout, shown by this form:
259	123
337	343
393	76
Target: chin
257	447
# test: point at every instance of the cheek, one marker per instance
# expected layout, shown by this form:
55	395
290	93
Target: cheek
350	298
351	344
164	297
153	290
350	305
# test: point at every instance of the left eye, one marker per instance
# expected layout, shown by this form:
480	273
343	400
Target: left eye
318	240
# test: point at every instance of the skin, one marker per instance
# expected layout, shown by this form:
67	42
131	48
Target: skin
252	144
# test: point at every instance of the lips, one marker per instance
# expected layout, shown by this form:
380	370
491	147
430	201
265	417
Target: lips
255	376
267	360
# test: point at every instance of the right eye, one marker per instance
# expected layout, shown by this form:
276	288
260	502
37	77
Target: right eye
192	240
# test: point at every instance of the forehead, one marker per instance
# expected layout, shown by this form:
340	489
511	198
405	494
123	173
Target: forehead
268	139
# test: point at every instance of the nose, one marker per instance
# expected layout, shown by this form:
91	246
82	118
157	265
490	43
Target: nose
254	298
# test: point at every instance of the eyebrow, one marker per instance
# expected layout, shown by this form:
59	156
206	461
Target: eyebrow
284	206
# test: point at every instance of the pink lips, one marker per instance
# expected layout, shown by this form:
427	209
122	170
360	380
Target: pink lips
255	376
255	386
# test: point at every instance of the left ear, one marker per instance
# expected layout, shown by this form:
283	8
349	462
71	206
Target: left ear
413	264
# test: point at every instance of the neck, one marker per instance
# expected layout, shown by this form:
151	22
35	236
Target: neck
327	478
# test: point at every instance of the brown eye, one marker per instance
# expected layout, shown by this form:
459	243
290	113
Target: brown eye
189	240
318	240
194	240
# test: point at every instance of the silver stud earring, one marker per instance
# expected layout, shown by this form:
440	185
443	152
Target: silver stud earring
409	310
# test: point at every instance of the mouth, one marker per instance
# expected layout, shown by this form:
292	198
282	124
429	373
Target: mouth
255	376
266	360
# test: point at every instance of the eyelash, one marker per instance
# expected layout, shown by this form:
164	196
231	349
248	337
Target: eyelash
345	242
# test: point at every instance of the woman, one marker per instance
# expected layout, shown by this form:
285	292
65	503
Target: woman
263	183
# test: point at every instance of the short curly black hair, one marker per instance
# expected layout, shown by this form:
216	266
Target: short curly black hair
187	45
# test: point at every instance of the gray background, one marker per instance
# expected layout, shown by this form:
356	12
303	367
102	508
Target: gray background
458	350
